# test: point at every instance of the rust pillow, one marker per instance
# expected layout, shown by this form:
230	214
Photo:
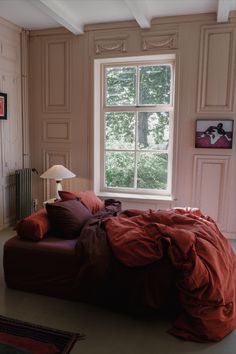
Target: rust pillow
67	218
88	198
34	227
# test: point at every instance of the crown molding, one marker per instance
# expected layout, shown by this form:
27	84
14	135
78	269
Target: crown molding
50	31
10	25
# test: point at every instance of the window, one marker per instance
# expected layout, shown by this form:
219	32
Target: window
135	124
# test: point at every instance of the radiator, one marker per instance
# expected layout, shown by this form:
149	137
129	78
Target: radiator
24	204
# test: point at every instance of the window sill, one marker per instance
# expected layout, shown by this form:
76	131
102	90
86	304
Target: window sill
140	197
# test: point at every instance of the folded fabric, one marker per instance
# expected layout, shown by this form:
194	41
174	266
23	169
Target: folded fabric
88	198
34	227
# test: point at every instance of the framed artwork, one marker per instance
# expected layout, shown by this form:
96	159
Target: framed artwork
3	105
214	133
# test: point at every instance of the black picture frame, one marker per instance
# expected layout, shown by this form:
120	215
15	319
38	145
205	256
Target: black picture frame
3	105
214	133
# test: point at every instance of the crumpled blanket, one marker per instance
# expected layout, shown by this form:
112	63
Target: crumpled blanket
204	261
102	279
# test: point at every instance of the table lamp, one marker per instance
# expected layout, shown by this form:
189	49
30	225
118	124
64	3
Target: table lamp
58	173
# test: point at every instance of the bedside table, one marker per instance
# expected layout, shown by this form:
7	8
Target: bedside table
49	201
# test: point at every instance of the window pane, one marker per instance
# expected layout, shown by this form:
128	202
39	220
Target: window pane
155	84
152	170
120	130
120	86
119	169
153	130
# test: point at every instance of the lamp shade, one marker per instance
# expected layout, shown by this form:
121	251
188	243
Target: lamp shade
57	172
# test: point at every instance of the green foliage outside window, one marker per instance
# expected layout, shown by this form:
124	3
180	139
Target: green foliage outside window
120	86
136	142
154	84
119	169
152	171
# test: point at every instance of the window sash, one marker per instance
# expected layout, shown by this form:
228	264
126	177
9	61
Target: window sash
102	64
136	151
137	65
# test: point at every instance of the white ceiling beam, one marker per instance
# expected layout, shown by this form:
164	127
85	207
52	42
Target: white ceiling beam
224	8
139	10
60	14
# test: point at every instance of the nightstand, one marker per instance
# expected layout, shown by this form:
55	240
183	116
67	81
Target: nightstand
49	201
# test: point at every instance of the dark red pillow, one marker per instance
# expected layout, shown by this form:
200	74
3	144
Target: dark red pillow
67	218
34	227
88	198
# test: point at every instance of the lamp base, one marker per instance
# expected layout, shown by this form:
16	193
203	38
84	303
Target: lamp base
58	188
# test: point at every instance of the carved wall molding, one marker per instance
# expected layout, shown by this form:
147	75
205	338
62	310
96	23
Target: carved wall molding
11	140
106	46
167	39
10	129
210	178
56	77
161	42
9	50
56	130
216	69
25	96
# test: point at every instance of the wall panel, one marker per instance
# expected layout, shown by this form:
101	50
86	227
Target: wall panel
216	70
9	200
10	129
61	104
56	130
210	186
9	51
11	139
56	87
58	109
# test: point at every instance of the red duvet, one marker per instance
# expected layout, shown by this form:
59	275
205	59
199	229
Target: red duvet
202	257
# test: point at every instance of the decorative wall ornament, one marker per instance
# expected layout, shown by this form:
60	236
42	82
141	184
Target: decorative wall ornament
159	42
104	46
217	134
3	105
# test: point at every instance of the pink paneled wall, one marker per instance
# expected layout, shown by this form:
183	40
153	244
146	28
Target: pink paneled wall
61	104
11	147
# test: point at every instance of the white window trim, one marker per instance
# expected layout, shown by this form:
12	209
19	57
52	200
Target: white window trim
99	135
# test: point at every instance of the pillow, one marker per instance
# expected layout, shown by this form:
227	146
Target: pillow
88	198
67	218
34	227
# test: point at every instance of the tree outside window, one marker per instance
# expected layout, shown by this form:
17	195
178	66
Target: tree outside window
137	120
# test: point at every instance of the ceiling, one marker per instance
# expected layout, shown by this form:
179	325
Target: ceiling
74	14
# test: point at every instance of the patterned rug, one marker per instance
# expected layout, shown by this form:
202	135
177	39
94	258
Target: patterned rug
18	337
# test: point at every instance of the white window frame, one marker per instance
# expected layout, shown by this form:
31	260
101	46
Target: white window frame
99	133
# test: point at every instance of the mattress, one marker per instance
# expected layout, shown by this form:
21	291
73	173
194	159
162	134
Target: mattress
47	267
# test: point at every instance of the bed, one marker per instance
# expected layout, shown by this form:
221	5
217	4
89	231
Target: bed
154	262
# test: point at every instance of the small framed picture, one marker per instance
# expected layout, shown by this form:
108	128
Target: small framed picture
3	105
214	133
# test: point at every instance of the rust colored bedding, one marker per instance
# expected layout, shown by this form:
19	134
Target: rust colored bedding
166	261
103	279
204	262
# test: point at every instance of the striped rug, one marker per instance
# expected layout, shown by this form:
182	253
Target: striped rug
18	337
